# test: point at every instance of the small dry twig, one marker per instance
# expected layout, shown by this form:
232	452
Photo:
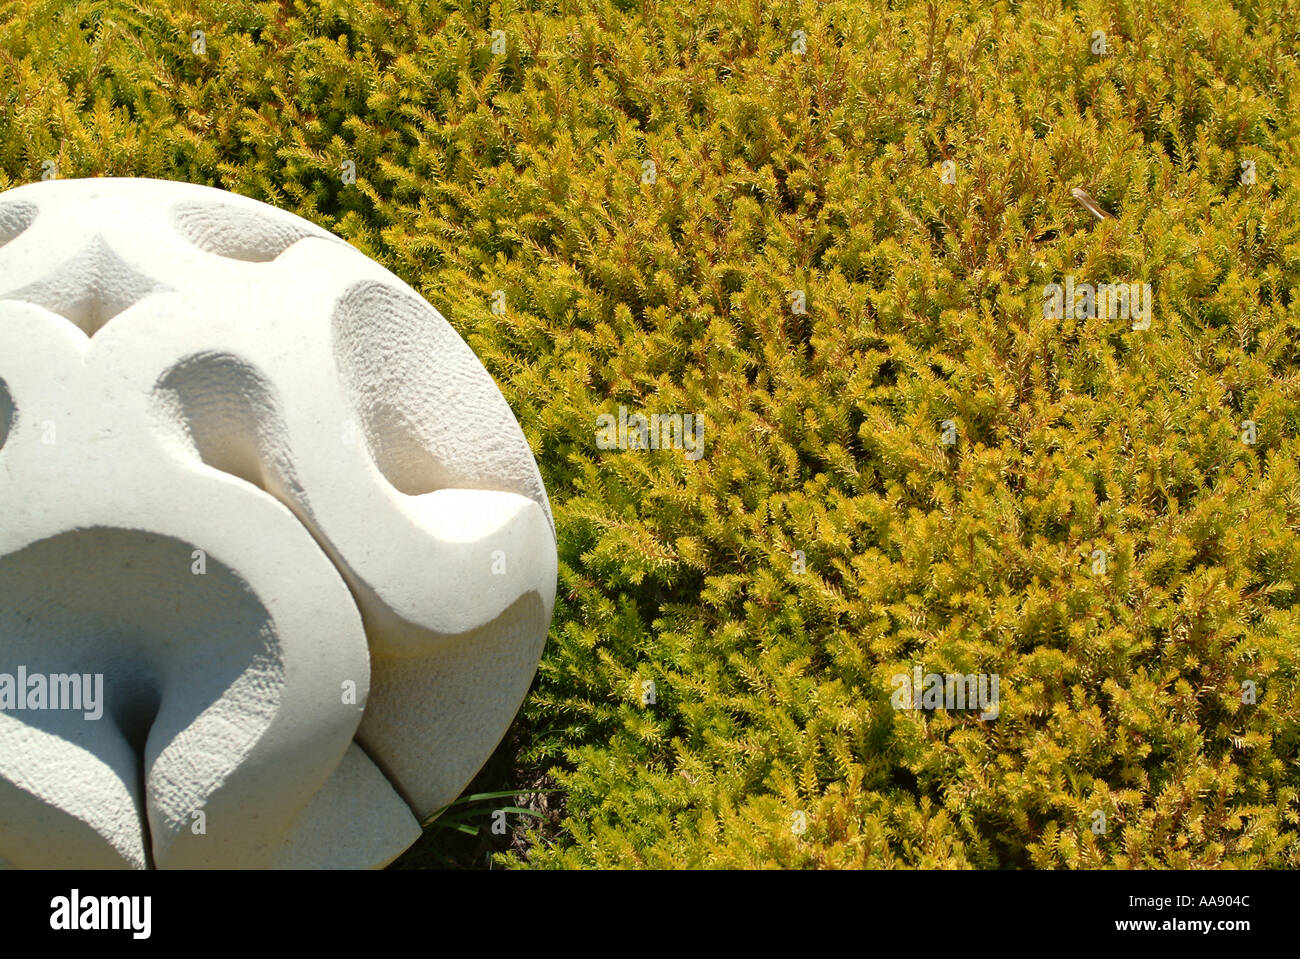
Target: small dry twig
1090	204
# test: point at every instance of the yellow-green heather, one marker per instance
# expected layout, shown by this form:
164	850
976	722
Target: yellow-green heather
826	230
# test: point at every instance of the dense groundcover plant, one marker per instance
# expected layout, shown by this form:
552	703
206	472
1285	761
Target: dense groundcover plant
824	229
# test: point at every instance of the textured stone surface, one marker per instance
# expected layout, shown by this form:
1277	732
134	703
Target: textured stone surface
243	471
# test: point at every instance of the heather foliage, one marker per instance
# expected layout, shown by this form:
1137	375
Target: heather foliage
647	192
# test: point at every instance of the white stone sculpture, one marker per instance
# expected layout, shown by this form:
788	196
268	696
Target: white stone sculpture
260	487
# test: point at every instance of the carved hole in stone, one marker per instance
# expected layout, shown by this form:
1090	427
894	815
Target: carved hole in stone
15	217
430	415
191	671
8	412
225	412
224	229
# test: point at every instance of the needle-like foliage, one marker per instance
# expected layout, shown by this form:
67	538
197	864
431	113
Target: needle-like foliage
826	229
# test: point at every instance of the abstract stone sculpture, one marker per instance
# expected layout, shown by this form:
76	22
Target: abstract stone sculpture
262	490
